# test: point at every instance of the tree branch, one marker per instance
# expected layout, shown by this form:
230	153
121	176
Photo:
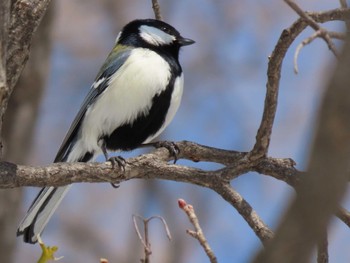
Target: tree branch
153	165
246	211
344	216
322	188
4	22
156	10
25	18
322	32
308	40
287	37
145	240
197	233
4	25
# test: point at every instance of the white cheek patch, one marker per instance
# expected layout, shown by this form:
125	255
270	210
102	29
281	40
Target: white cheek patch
155	36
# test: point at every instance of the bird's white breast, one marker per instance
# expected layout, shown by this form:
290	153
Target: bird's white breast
143	75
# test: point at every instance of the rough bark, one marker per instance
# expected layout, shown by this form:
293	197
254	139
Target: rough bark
21	110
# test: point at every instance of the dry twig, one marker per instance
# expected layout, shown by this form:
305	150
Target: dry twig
262	231
287	37
145	241
311	22
156	10
344	216
308	40
198	233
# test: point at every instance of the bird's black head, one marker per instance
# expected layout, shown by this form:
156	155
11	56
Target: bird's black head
153	34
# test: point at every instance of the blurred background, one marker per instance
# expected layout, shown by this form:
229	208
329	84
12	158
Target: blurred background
225	78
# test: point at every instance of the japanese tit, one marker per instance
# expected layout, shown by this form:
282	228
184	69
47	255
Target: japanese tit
134	97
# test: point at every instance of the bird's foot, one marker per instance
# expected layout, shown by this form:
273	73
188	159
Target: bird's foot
120	162
170	146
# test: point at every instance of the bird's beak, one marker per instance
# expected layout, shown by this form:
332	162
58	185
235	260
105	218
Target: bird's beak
185	41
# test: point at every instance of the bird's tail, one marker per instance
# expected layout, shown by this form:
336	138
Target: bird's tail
40	212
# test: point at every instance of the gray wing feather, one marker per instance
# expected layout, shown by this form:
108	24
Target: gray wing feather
113	62
49	198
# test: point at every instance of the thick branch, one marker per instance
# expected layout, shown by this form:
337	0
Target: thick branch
154	166
4	21
4	25
149	166
18	25
25	18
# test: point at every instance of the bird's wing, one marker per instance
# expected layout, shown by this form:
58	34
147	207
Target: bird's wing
113	62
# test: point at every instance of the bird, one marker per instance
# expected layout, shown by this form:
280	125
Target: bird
134	97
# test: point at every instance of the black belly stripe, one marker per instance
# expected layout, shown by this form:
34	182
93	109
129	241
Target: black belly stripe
132	135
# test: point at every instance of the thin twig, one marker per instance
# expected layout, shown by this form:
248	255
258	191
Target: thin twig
261	230
308	40
197	233
167	231
146	247
156	10
303	14
311	22
145	241
344	215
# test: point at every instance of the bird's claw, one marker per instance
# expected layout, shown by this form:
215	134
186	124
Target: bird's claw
170	146
120	162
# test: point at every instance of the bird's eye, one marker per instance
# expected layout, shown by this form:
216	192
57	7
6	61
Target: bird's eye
166	30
